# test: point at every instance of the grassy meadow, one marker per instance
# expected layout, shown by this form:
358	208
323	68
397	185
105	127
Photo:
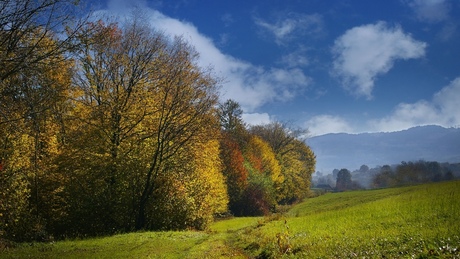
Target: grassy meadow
408	222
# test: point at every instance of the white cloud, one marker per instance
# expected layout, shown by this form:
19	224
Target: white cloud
280	30
430	10
294	26
297	58
250	85
442	110
365	52
324	124
256	118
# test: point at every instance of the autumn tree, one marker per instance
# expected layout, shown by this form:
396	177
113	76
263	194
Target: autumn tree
262	158
193	195
107	106
297	167
34	77
142	103
297	160
186	97
31	103
20	19
235	172
279	135
264	177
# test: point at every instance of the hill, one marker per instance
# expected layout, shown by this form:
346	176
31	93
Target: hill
341	150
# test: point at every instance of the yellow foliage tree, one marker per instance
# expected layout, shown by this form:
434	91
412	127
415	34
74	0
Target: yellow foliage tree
141	104
31	103
263	159
210	189
297	160
194	194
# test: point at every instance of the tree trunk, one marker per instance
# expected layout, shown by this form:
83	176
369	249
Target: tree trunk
140	218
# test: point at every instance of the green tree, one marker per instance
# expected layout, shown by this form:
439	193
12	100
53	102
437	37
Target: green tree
385	178
230	115
364	169
343	180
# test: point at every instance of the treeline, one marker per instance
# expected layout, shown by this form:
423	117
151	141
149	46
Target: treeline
107	128
408	173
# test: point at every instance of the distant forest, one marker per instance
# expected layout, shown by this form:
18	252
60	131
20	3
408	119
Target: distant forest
405	173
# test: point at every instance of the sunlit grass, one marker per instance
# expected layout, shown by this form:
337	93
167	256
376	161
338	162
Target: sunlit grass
398	222
234	224
133	245
408	222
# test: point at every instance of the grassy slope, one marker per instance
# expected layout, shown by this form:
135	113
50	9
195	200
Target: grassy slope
398	222
415	221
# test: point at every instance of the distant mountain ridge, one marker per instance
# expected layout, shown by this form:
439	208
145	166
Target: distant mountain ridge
342	150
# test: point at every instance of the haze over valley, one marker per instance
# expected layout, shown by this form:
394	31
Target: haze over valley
429	143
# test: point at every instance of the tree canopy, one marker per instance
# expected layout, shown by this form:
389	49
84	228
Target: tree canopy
115	128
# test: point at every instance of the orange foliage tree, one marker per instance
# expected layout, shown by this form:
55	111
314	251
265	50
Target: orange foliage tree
234	171
264	177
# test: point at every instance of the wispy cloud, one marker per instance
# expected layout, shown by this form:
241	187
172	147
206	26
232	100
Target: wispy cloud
292	26
441	110
297	58
252	86
256	118
325	123
365	52
430	11
447	31
227	19
434	12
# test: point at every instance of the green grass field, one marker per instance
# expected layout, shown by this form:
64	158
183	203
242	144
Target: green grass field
409	222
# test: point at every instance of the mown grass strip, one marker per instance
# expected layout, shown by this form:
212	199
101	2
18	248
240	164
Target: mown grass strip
133	245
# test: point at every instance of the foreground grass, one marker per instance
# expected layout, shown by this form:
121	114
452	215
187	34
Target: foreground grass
416	221
182	244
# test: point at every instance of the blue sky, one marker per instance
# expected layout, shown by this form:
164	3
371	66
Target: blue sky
330	66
